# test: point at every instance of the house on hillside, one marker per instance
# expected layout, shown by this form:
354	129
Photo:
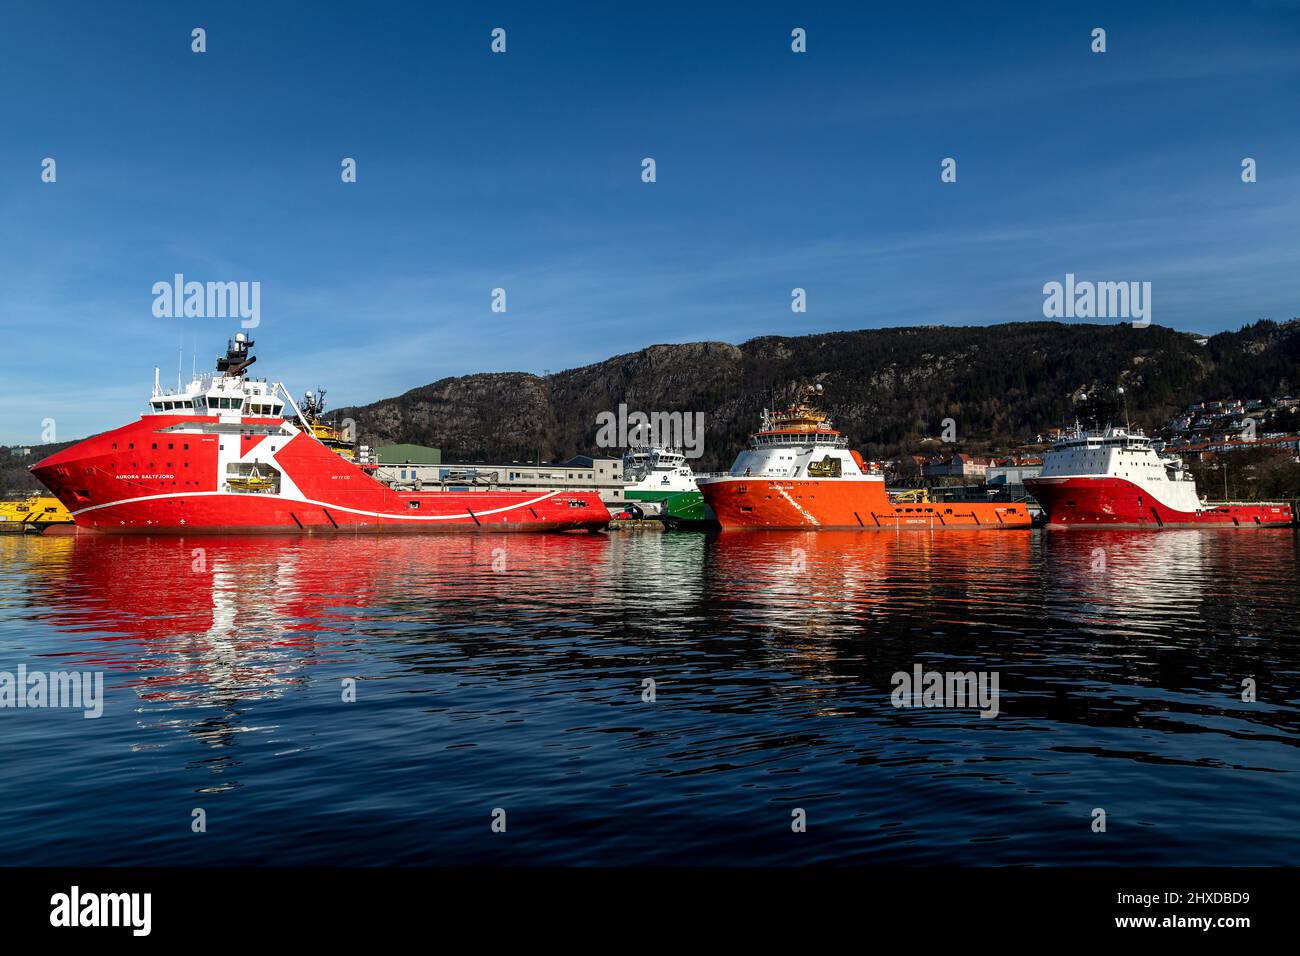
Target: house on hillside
960	465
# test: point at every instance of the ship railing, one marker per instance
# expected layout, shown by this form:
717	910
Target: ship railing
1207	503
805	438
747	474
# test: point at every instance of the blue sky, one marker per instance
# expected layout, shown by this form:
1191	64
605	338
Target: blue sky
522	171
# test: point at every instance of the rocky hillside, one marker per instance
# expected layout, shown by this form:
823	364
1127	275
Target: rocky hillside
888	388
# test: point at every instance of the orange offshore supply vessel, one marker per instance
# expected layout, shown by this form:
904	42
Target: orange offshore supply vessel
799	473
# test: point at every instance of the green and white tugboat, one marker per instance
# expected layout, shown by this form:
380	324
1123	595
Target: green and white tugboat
662	485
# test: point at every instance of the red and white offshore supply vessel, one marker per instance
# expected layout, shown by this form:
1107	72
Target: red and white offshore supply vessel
1112	477
231	454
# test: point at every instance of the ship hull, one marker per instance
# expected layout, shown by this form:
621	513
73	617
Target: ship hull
247	514
840	504
1109	502
675	506
140	479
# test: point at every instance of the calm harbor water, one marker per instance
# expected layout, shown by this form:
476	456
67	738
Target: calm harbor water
507	672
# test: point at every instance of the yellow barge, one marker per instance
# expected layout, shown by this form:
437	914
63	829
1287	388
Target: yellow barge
34	513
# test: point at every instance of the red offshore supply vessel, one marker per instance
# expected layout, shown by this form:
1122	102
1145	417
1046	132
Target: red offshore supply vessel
799	473
1113	478
231	454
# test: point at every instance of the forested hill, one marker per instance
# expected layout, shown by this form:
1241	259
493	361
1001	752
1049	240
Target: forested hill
887	388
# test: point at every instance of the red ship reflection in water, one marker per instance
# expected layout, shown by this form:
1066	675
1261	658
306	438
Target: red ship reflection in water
210	618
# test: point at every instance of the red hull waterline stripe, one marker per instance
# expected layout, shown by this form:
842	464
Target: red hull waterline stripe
391	516
1116	503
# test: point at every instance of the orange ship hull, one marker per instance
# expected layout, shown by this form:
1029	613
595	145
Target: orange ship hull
838	503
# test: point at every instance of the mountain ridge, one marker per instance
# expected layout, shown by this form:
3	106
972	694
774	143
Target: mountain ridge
886	388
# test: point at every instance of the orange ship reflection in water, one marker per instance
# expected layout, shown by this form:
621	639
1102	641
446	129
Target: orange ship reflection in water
831	604
807	580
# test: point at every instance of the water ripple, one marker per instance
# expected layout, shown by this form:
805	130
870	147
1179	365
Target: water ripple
509	671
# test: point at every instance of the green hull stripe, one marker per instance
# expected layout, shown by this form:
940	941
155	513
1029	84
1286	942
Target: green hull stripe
683	505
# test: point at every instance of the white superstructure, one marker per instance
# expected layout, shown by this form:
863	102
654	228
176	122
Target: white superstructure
228	396
799	442
1126	454
251	424
661	470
